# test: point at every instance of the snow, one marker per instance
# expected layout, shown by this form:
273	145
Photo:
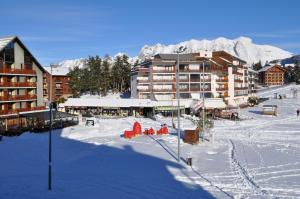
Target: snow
257	157
5	40
241	47
58	71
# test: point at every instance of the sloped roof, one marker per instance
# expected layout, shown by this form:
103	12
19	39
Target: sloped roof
4	41
270	66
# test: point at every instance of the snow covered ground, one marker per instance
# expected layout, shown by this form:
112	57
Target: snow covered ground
257	157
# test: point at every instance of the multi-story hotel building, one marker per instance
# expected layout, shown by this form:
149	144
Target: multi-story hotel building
21	79
224	76
272	75
60	84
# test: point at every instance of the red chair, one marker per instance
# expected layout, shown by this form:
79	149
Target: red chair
128	134
151	131
137	128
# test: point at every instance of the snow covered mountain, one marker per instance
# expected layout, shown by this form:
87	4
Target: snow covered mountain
242	47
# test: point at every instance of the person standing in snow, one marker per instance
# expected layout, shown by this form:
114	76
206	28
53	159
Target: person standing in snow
298	111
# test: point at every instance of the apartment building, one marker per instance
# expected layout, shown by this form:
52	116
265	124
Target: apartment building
60	84
212	74
21	79
252	80
272	75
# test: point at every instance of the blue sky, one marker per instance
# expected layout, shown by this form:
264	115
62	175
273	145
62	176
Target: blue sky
63	29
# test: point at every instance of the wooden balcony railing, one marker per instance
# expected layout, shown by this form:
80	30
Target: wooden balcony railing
221	89
237	73
16	111
163	80
240	88
238	80
17	84
17	97
17	71
143	90
143	80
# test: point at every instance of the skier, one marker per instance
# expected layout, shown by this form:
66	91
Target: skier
298	111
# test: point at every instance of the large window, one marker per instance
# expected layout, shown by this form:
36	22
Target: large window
9	53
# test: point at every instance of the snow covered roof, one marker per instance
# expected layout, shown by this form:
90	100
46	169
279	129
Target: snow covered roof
104	102
126	103
5	41
268	67
58	71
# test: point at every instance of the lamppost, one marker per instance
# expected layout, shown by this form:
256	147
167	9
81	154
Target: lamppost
180	50
50	134
203	98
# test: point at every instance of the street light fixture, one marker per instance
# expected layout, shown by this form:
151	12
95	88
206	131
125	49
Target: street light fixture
180	50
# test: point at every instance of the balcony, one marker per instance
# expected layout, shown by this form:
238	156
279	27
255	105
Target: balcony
164	80
200	80
222	80
240	88
18	71
163	71
17	97
162	89
237	73
143	90
16	111
221	89
143	80
238	80
200	89
17	84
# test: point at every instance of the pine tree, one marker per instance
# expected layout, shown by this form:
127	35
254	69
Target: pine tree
106	77
75	83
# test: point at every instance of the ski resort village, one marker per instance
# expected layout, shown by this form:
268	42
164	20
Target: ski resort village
202	118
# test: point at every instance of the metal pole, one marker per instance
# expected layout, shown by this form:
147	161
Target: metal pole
178	106
203	110
50	137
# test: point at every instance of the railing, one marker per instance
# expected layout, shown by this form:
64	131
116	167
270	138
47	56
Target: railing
143	90
221	89
162	89
238	80
143	80
18	71
17	84
222	80
200	80
17	97
163	80
237	73
163	71
240	88
200	89
15	111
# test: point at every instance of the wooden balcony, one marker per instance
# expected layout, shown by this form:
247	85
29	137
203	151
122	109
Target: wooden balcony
17	71
238	80
17	84
164	80
221	89
240	88
17	97
143	90
16	111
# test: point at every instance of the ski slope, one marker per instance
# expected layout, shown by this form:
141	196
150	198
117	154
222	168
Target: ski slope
257	157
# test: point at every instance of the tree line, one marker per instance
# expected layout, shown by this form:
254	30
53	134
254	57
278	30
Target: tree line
99	76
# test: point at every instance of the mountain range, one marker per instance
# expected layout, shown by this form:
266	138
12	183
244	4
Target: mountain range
241	47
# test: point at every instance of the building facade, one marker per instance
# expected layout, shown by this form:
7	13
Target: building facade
272	75
60	85
21	79
212	74
253	80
